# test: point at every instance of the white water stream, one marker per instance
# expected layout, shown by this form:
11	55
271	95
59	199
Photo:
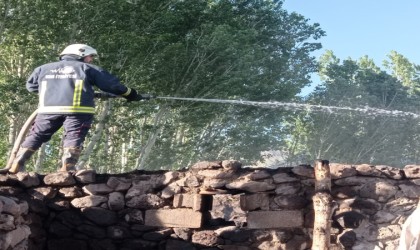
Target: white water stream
303	107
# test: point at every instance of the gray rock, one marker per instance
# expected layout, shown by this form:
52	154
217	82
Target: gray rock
116	201
145	201
119	184
206	238
183	233
70	192
291	202
304	170
339	171
100	216
10	239
28	179
288	188
89	201
283	178
59	179
250	186
85	176
381	191
97	189
158	235
133	216
207	165
43	192
118	232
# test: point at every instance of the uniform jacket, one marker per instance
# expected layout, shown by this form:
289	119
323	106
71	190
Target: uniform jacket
66	86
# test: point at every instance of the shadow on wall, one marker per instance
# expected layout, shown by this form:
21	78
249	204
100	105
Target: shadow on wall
212	205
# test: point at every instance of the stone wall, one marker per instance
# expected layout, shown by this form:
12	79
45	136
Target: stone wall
211	205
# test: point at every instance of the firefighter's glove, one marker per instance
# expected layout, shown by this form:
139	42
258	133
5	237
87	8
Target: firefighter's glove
134	96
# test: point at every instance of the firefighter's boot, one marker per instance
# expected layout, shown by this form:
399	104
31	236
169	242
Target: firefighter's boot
70	158
22	156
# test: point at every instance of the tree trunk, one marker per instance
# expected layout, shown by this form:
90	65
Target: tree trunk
12	134
41	157
145	151
95	138
322	206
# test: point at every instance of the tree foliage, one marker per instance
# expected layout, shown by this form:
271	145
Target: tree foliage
245	49
357	137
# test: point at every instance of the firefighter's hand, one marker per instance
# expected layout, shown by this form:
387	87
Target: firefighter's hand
134	96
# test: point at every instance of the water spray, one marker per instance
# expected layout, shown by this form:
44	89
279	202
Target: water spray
301	106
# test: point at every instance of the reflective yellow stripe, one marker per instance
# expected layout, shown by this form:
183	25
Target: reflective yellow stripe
66	109
42	93
78	88
127	92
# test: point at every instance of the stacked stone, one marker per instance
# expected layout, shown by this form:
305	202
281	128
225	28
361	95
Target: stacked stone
212	205
14	221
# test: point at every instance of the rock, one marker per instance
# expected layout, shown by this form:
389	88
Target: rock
139	188
227	207
283	178
339	171
133	216
59	179
89	201
250	186
118	232
183	233
347	238
10	239
92	231
291	202
100	216
304	170
288	189
7	222
412	171
85	176
171	190
9	206
70	218
350	219
157	235
43	192
216	173
177	245
145	201
206	238
28	179
381	191
254	201
116	201
67	244
57	229
70	192
97	189
410	191
207	165
119	184
231	165
259	175
383	217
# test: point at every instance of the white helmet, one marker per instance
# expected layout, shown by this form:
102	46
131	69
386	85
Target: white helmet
81	50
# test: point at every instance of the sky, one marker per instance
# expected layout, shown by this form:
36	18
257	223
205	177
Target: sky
355	28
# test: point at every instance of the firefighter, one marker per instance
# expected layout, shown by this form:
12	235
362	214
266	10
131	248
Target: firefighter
66	99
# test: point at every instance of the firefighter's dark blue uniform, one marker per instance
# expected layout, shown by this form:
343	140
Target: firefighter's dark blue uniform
66	98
